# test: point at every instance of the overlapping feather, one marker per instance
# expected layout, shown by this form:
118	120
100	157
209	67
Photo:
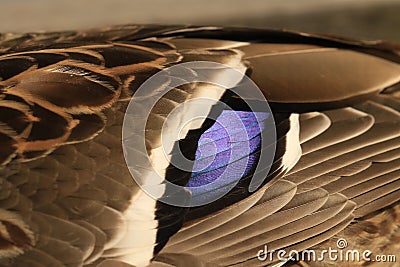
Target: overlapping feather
67	197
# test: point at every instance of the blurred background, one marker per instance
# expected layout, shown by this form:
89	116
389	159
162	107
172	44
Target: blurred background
365	19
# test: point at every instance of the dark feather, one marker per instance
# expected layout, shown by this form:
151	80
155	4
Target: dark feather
68	198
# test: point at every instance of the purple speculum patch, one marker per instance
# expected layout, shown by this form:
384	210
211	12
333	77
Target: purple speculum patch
227	151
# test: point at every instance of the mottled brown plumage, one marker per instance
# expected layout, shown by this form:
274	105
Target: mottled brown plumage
67	197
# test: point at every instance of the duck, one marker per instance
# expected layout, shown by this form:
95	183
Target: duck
170	145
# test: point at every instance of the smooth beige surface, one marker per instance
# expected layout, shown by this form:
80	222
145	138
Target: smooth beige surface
370	19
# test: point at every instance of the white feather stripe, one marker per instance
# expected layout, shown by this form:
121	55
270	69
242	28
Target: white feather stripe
141	210
293	148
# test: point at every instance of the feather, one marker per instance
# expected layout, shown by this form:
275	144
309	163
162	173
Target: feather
67	195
